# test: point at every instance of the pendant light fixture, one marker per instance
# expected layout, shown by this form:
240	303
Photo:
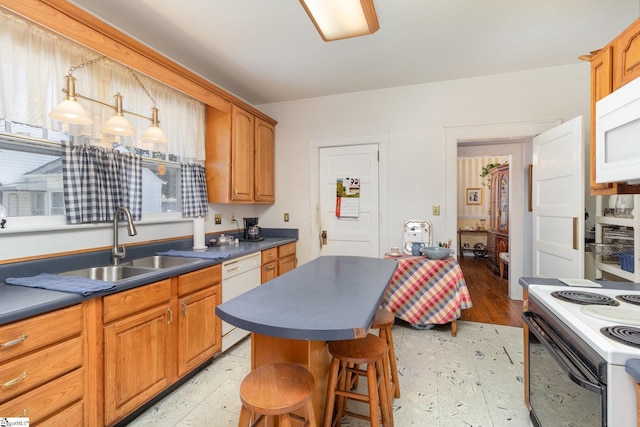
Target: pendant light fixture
341	19
117	124
70	110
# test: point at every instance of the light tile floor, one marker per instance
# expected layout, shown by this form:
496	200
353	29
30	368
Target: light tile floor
475	379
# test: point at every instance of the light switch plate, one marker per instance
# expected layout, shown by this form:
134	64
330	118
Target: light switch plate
436	210
286	217
218	218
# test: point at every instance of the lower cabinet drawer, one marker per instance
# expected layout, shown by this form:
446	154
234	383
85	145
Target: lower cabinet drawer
19	338
136	300
72	416
40	403
35	369
286	250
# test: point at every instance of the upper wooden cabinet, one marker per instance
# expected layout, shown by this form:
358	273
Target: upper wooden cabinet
265	145
626	53
240	163
612	67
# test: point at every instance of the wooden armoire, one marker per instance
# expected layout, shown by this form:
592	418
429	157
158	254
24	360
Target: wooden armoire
498	232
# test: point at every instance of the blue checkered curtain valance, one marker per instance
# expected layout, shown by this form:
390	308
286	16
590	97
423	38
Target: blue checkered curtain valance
194	190
97	181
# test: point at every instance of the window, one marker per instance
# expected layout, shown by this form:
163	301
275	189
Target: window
31	180
31	175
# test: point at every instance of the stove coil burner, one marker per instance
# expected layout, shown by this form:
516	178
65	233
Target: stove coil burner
584	298
631	299
624	334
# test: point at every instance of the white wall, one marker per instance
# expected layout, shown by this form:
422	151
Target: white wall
416	118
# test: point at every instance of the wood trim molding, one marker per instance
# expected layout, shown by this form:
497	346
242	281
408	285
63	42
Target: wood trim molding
74	23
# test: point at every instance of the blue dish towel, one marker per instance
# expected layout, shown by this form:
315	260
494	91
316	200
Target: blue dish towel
195	254
54	282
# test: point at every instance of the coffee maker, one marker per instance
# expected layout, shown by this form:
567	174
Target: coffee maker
251	230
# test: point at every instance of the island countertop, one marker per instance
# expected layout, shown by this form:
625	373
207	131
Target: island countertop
329	298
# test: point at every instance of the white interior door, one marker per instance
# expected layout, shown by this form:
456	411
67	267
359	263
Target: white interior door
558	201
349	236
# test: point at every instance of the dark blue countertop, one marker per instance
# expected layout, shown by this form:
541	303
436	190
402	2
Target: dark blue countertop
329	298
633	368
18	302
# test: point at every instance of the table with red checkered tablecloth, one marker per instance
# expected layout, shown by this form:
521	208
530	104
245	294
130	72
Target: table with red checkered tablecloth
426	292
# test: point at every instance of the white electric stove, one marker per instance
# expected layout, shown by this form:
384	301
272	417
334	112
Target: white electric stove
587	320
597	312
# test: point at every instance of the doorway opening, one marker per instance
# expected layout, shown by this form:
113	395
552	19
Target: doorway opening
517	136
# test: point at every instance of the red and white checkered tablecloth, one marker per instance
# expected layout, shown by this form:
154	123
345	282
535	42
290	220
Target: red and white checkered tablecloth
427	292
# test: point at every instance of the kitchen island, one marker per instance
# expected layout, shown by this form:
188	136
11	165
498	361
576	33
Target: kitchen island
293	316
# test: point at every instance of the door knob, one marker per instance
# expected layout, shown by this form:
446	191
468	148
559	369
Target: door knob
324	237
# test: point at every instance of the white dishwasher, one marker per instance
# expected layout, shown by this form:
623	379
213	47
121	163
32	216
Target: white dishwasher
238	276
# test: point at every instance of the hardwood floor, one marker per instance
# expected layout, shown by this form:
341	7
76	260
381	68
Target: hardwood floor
491	303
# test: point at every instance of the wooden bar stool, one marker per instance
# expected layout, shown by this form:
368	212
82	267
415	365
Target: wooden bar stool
383	321
275	391
347	355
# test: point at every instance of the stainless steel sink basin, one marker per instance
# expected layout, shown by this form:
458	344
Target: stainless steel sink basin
111	273
160	261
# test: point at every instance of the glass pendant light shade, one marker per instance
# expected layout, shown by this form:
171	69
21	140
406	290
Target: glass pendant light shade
69	110
154	133
117	124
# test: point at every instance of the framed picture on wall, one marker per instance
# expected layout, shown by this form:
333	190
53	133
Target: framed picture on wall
474	196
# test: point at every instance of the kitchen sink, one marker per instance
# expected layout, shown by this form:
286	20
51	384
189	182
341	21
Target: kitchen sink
160	261
111	273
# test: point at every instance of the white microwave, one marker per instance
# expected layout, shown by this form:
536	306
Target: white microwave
618	135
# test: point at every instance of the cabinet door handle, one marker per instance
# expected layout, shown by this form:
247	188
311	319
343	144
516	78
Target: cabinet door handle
184	309
576	223
15	380
270	267
18	340
170	315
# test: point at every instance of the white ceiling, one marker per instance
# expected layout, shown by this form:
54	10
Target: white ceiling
268	50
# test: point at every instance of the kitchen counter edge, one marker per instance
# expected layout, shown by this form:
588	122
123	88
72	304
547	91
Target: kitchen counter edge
19	302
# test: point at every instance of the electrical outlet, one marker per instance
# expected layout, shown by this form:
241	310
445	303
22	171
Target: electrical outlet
436	210
286	217
233	217
218	218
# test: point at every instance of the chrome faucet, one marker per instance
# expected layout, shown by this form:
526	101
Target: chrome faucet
119	252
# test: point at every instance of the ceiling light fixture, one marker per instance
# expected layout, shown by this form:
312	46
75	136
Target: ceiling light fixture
70	110
341	19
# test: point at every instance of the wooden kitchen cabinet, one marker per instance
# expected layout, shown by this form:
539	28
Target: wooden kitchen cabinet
277	261
156	334
269	265
240	156
286	258
612	67
626	54
137	347
200	330
41	368
265	140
